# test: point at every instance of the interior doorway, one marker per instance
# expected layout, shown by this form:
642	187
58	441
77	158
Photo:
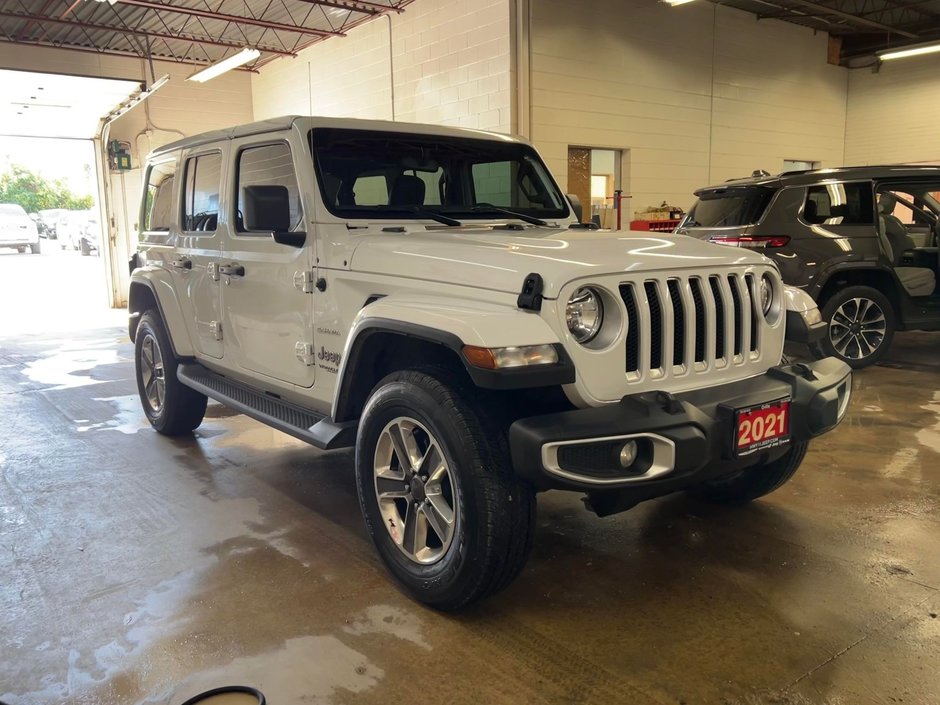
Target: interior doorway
595	176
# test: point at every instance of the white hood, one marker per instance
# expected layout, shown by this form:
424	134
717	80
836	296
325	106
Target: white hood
499	259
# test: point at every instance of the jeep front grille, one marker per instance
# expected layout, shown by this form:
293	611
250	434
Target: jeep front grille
692	324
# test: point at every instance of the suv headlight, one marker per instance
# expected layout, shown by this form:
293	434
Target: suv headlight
766	294
584	314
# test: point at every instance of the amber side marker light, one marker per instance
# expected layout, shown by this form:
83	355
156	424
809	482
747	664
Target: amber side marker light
515	356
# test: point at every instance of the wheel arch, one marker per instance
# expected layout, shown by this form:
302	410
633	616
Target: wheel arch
152	288
387	336
878	278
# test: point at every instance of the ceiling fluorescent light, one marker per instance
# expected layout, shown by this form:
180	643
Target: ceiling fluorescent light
677	2
232	62
909	51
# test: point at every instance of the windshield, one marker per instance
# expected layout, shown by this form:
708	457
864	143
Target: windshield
728	207
366	174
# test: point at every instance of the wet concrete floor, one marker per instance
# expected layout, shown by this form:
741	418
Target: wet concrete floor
140	569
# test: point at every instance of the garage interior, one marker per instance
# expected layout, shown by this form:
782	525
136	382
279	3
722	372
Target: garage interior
143	569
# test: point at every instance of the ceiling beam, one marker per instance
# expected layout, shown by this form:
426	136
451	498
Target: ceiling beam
138	32
370	8
849	17
111	52
235	19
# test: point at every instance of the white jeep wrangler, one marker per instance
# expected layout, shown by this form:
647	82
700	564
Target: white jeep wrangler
428	295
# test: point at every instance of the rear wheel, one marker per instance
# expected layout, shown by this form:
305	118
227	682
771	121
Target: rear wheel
171	407
448	517
861	326
755	481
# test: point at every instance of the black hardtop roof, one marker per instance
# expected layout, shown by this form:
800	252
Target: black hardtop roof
816	176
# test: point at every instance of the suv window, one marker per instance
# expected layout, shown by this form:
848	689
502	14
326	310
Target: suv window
268	165
158	202
729	207
201	194
840	204
390	174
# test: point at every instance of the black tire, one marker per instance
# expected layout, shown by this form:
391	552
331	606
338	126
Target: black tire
755	481
178	409
35	248
83	245
861	350
493	511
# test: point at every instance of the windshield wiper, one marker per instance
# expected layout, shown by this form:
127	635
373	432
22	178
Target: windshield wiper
433	215
484	207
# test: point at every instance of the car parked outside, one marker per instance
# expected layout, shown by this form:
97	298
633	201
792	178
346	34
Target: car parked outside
17	229
862	241
49	217
80	230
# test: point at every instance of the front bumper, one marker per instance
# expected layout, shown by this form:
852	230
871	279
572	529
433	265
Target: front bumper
684	439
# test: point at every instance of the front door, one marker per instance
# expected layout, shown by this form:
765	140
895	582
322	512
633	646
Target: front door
268	317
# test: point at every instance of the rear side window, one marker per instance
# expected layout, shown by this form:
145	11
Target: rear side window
269	165
730	207
201	195
840	204
158	201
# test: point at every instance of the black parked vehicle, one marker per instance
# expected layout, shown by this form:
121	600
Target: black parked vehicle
862	241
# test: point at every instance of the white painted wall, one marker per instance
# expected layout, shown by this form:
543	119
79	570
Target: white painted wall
178	109
450	60
892	114
697	93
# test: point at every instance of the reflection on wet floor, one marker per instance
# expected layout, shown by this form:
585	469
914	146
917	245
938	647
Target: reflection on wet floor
140	569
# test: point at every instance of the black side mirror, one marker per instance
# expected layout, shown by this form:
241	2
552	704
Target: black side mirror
293	239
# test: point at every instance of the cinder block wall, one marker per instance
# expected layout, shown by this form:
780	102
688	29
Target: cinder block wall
892	114
445	61
697	93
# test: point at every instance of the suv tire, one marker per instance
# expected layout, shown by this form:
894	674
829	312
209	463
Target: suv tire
469	480
34	248
861	322
755	481
84	247
172	408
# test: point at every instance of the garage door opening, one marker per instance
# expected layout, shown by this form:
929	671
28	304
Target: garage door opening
51	186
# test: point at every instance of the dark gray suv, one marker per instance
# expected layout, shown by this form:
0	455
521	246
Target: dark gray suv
862	241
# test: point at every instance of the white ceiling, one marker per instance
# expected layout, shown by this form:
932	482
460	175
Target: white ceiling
53	105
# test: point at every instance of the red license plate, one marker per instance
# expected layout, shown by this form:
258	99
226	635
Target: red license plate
762	426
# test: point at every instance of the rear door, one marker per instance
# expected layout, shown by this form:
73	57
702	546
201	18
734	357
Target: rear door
268	317
194	260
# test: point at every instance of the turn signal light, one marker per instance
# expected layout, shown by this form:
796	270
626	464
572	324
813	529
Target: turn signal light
502	358
754	242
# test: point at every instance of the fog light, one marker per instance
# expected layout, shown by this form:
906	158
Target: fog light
628	454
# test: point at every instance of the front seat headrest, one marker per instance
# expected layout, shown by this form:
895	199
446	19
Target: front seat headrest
266	207
407	191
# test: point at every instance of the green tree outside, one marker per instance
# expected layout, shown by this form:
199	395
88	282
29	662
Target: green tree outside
34	193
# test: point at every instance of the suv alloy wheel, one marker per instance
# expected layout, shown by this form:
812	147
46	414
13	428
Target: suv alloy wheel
861	326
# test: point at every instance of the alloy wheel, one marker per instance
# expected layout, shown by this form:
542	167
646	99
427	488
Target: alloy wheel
416	493
152	373
857	328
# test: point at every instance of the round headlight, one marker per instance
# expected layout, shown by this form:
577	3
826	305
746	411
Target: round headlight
584	314
766	294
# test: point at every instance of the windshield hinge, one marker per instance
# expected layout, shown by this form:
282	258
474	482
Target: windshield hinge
531	295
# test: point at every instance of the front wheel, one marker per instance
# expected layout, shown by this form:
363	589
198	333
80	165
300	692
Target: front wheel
171	407
755	481
35	248
861	326
449	519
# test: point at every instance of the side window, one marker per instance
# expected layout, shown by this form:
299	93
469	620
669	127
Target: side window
202	176
268	194
840	204
158	201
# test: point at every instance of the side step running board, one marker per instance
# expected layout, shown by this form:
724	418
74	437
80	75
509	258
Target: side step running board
299	422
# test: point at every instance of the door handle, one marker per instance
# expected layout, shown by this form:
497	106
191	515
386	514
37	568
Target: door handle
232	270
182	263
